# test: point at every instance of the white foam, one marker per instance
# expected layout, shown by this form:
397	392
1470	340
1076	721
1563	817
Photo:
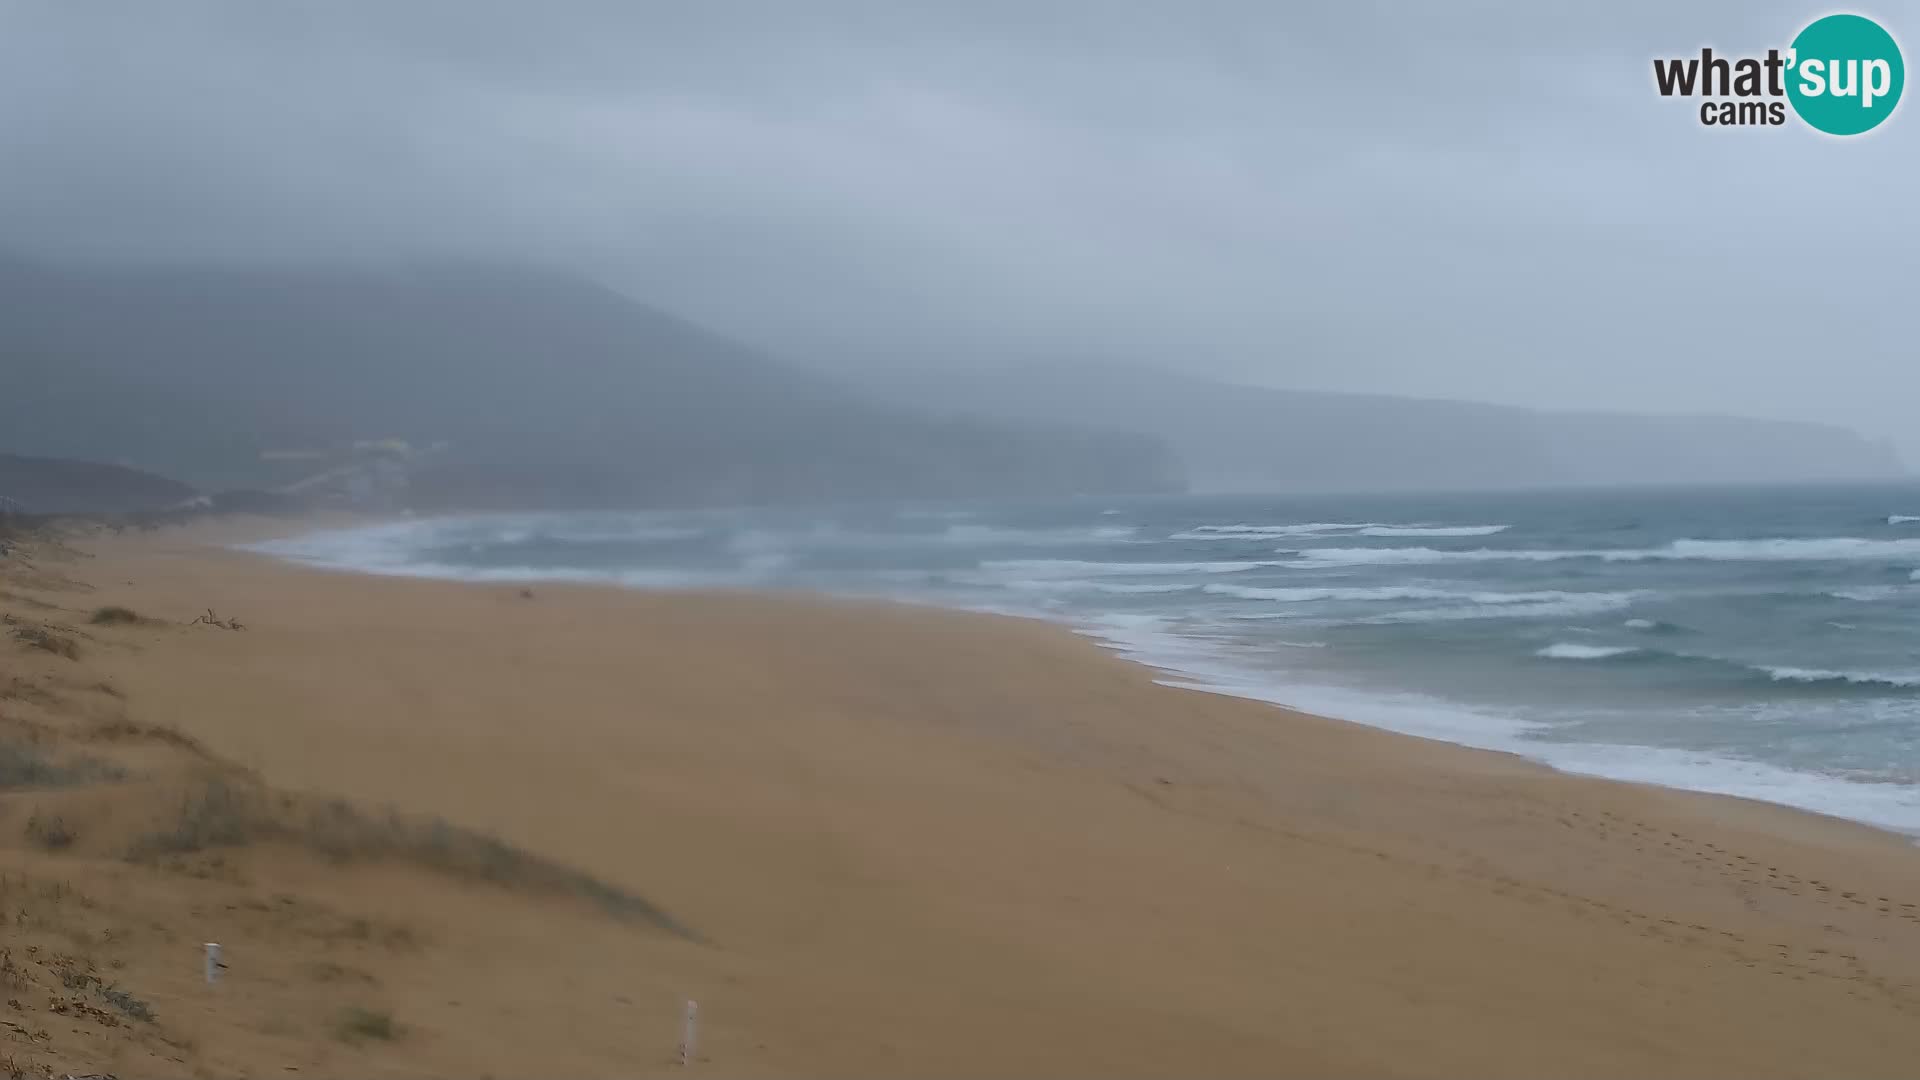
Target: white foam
1568	650
1902	519
1307	594
827	535
1432	530
1890	806
393	550
1846	548
1255	532
1388	556
1640	624
508	529
1867	593
1112	588
1856	678
1145	639
1038	568
1326	528
638	579
1817	549
373	549
1569	605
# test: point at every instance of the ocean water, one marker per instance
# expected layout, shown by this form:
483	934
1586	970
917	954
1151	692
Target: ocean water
1763	643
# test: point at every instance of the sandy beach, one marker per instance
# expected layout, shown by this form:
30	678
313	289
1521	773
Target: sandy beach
869	840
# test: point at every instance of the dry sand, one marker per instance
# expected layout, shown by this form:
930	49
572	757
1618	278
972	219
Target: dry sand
903	842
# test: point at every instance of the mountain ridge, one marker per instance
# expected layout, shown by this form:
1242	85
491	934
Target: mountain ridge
1253	439
230	377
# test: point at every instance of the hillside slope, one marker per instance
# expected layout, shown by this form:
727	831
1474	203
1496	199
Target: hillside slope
1256	439
31	485
535	382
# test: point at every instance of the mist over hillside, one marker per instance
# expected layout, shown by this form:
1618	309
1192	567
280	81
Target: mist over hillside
503	387
531	388
1236	438
59	486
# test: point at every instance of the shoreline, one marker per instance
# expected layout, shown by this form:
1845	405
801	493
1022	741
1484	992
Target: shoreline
1668	768
218	537
920	841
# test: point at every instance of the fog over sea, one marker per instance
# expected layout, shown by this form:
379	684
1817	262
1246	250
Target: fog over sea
1754	642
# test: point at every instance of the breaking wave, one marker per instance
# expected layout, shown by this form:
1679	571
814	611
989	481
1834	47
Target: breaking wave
1111	588
1563	605
1042	568
1567	650
1328	528
1256	532
1735	669
1432	530
1311	594
1656	626
1867	593
1847	548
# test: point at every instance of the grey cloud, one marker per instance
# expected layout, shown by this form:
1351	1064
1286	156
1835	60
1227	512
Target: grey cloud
1476	200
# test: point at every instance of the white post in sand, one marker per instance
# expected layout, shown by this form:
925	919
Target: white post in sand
688	1033
213	962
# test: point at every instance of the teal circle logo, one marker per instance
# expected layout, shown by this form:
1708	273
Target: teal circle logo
1845	74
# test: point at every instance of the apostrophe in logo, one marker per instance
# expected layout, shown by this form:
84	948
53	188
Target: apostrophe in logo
1846	74
1842	75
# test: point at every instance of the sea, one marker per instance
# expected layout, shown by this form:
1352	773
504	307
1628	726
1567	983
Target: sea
1754	642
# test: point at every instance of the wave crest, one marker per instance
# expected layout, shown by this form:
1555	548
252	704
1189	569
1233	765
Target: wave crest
1044	568
1568	650
1256	532
1307	594
1808	677
1820	549
1817	676
1325	528
1867	593
1432	530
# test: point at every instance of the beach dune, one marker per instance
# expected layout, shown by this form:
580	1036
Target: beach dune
911	842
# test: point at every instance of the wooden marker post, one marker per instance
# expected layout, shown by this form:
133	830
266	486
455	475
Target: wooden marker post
689	1032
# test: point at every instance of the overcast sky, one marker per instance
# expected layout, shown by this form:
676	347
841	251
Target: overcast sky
1471	200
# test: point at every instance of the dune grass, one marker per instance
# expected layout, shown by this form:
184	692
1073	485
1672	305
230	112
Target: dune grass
228	811
46	640
27	766
357	1023
114	615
